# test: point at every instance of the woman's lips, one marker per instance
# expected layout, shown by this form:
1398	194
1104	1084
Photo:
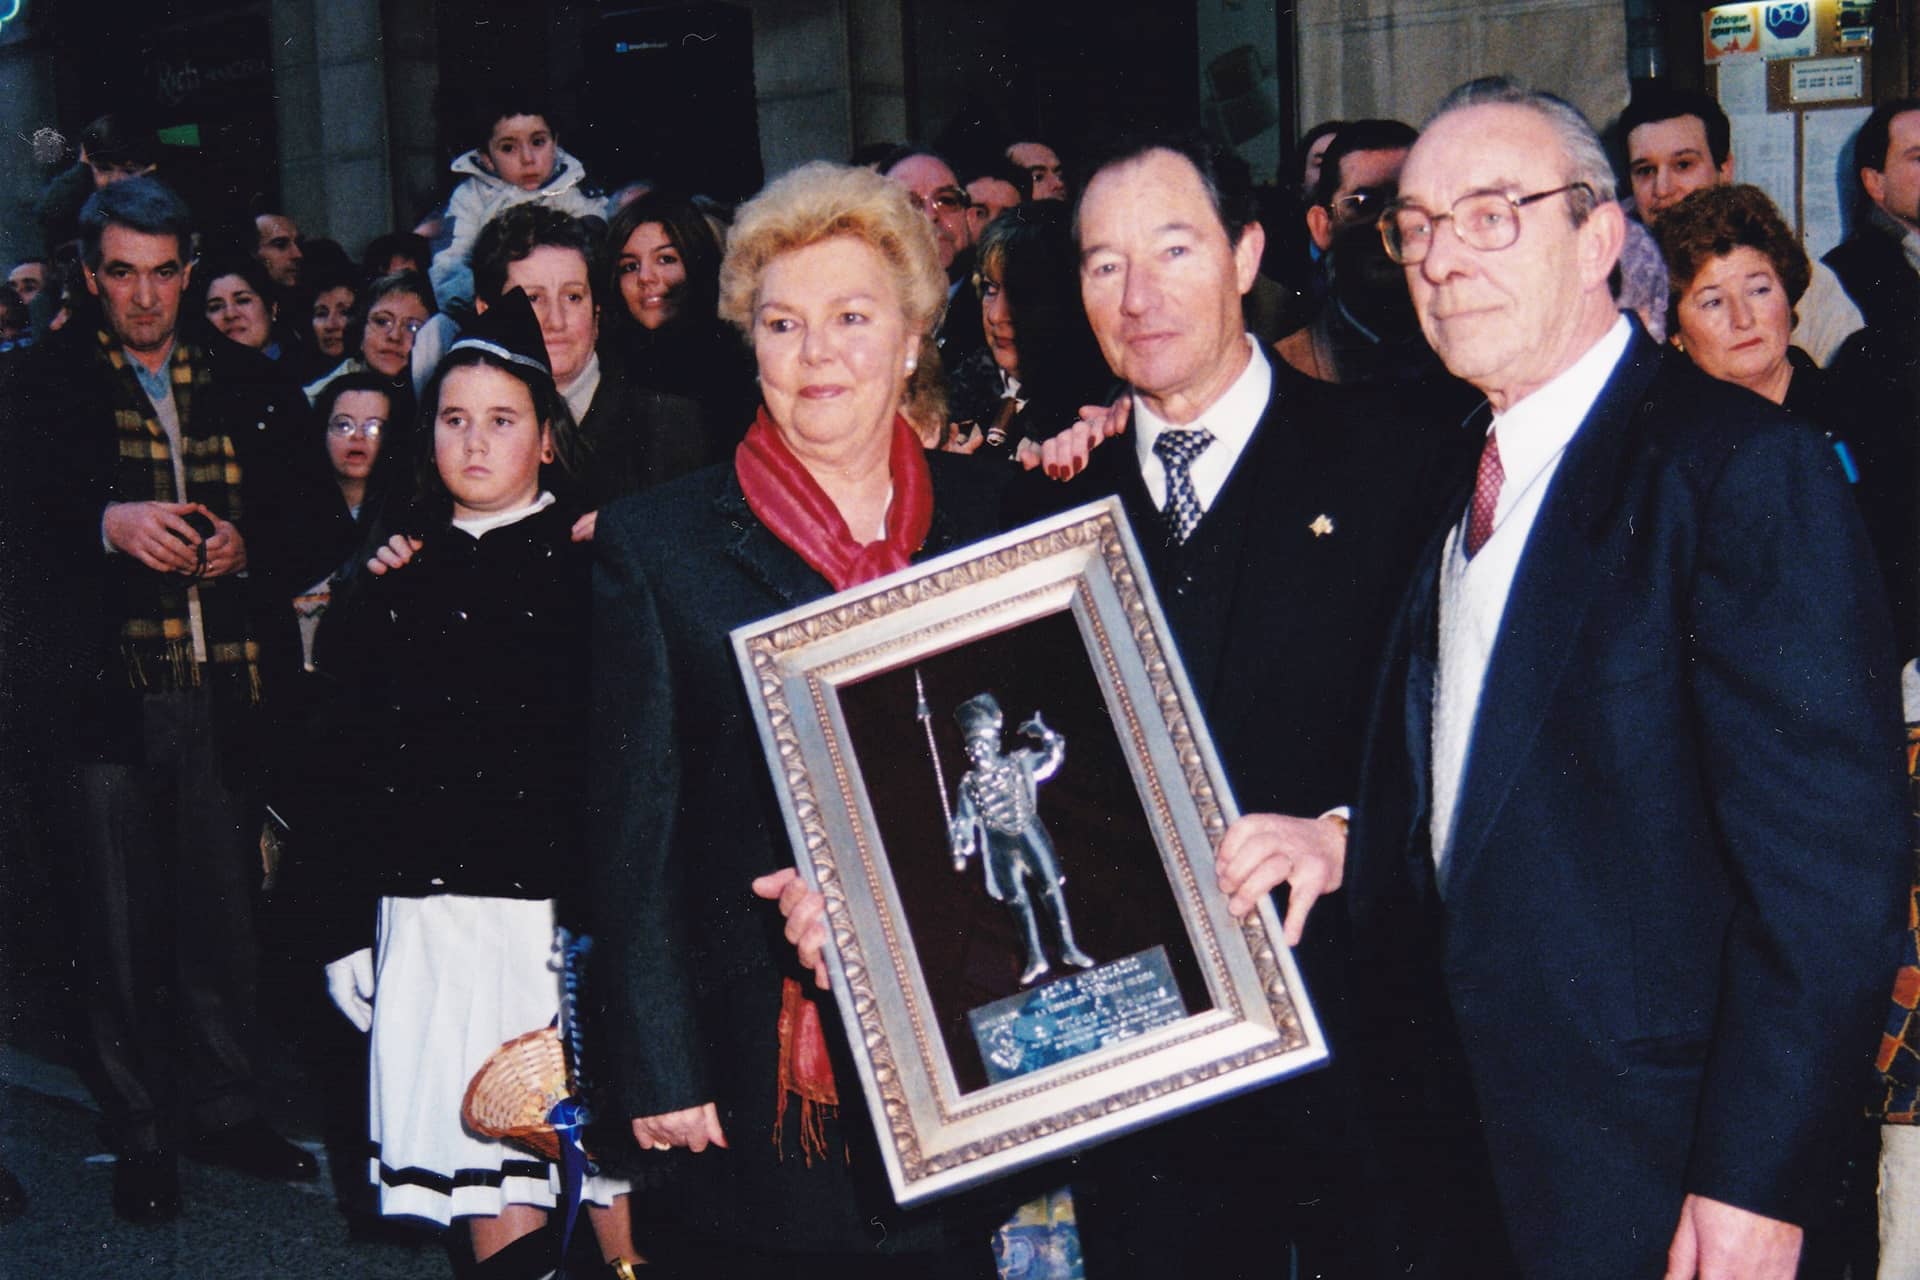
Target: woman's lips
824	391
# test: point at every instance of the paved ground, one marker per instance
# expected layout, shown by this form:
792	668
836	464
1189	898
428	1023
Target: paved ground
232	1226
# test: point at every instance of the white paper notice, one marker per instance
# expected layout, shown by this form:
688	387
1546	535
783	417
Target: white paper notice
1763	155
1827	80
1743	86
1827	183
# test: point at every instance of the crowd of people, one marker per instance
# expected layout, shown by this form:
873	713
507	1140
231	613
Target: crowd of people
1542	554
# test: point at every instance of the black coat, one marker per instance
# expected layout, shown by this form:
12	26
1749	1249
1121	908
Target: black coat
634	437
684	817
457	733
705	365
1866	402
1872	266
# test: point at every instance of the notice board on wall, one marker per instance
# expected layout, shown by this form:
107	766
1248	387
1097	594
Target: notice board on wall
1795	78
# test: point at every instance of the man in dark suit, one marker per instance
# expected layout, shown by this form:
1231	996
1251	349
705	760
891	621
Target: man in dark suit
1878	263
1632	786
1279	518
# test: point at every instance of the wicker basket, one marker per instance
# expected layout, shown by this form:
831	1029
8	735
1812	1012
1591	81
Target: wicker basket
515	1090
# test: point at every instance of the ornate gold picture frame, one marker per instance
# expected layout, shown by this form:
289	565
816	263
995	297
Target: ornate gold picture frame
992	767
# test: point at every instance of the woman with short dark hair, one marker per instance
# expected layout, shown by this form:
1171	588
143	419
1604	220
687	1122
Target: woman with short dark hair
1734	272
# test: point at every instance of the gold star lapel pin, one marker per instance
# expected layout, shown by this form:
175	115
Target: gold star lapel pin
1322	525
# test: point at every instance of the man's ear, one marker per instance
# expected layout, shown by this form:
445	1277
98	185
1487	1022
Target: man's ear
546	442
1602	236
1246	255
1320	227
93	281
1875	182
1726	168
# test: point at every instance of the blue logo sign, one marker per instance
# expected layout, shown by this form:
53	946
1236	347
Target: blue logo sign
1785	21
12	10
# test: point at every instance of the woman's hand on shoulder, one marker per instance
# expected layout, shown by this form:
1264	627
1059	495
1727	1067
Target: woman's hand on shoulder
1065	455
806	913
396	553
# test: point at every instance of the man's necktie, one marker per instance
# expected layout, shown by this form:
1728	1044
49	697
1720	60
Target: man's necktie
1176	450
1486	496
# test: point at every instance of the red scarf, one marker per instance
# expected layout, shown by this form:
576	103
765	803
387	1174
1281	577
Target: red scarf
786	498
791	503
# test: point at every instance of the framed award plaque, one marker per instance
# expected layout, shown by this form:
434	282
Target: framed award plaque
993	769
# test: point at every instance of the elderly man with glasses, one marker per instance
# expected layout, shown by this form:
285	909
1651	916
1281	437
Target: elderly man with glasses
1632	794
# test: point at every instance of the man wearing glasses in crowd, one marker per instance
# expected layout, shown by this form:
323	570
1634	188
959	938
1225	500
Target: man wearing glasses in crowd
1365	330
937	193
1632	792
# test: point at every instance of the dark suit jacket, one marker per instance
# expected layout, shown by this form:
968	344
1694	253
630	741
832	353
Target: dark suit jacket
634	437
1672	905
1873	266
1280	628
682	818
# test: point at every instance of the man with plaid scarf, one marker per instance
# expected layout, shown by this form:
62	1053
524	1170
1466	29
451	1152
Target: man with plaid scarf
160	487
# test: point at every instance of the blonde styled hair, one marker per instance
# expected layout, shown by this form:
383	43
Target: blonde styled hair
819	202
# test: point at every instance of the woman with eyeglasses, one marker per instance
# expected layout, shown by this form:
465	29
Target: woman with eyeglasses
387	316
353	412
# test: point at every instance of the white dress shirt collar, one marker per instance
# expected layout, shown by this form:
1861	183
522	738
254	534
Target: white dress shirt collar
1231	418
1535	429
1533	434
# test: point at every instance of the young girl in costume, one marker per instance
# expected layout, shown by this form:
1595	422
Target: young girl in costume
466	674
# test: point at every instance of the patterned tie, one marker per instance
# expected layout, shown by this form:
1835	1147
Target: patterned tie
1176	449
1486	496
